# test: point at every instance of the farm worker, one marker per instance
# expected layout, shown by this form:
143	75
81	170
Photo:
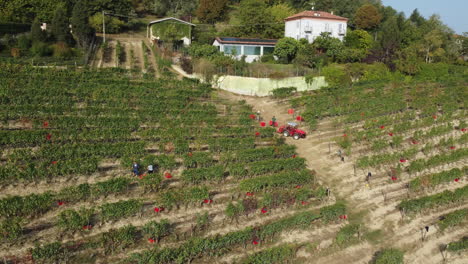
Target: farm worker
369	175
258	115
339	153
135	168
150	169
273	120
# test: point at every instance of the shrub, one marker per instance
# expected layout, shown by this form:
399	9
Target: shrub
280	254
71	220
284	92
49	253
267	58
15	52
119	239
41	49
332	212
157	230
61	50
277	75
203	51
348	235
186	65
24	42
389	256
460	245
336	75
110	211
11	229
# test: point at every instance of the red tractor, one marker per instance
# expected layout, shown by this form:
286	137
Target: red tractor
291	130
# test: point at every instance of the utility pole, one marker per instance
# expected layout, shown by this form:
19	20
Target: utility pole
104	26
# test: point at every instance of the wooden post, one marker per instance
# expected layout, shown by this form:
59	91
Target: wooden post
104	26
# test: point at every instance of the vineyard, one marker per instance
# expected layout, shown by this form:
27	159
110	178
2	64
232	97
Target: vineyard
222	183
404	148
225	188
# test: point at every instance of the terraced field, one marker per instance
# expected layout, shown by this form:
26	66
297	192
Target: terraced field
223	183
226	188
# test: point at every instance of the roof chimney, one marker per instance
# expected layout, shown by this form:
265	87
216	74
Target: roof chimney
332	12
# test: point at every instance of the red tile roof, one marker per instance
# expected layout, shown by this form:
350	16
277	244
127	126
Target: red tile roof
315	14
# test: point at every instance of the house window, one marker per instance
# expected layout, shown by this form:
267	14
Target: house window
340	28
268	50
251	50
233	49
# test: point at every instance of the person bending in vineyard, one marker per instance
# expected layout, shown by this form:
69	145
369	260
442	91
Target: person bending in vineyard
369	175
273	120
150	169
135	168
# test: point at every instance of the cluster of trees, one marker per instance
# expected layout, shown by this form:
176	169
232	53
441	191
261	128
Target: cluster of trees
401	43
377	33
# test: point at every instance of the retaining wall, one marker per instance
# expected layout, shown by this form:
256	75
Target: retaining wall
258	86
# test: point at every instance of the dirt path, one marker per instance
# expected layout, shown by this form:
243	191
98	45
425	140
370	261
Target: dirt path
132	45
378	200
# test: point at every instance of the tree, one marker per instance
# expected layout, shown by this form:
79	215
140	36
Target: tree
286	49
367	17
464	44
409	61
389	39
211	11
60	25
113	24
37	34
358	39
279	13
254	18
417	18
306	56
329	45
432	45
81	29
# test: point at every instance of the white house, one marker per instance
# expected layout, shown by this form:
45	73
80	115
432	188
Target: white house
170	25
252	49
310	24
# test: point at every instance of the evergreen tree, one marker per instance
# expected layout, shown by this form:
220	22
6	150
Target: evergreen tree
390	39
60	25
81	29
417	18
37	34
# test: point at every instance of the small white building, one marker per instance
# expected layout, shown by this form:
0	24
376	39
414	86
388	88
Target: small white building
252	49
310	24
